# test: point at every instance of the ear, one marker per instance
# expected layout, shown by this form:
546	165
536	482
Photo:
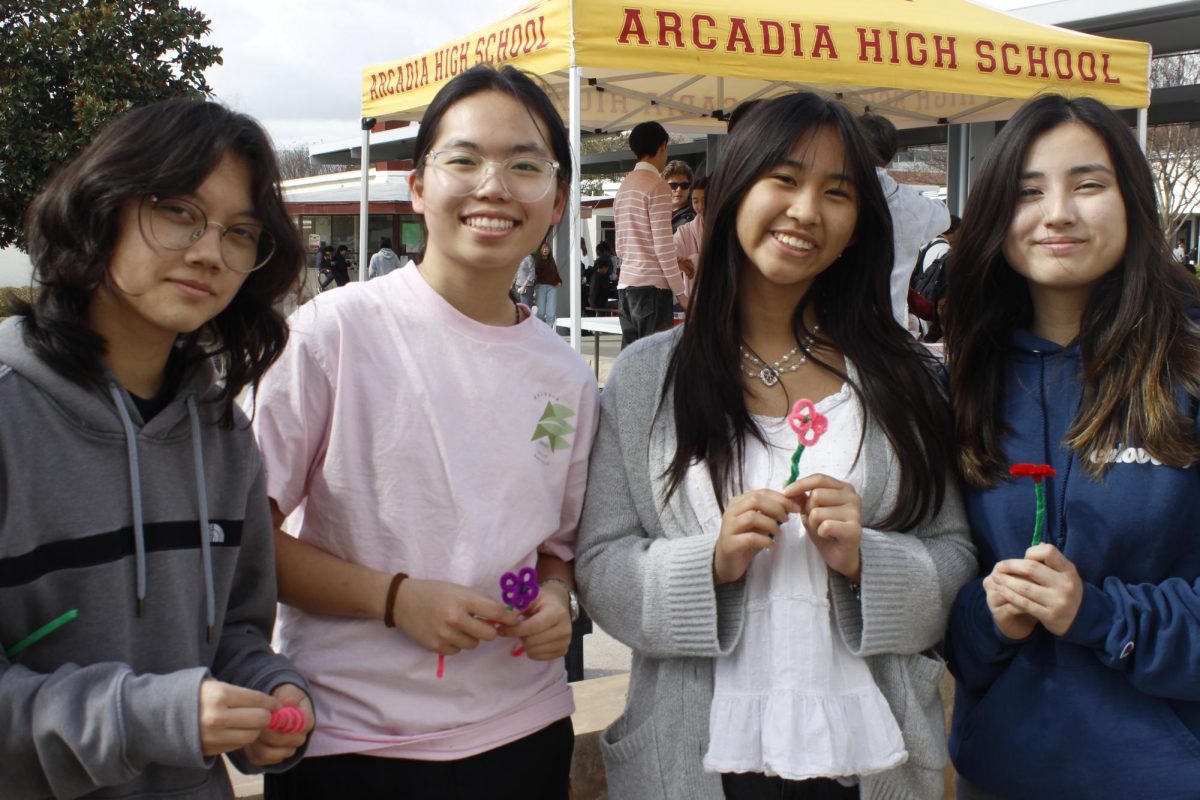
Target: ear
416	189
561	194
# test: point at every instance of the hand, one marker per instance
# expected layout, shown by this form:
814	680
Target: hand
1044	585
231	717
687	267
682	299
447	618
545	632
831	511
1012	622
272	747
750	524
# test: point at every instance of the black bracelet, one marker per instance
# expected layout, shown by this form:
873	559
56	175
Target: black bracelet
393	588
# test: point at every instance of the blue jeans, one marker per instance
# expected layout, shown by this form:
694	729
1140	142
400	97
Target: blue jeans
546	298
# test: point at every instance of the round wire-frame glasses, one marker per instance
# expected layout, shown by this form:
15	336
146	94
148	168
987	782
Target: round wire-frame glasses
177	224
526	178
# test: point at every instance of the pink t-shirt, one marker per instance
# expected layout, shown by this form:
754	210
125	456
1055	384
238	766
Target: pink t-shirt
404	436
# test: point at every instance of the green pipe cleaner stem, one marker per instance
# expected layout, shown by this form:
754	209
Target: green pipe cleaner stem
1039	515
41	633
795	466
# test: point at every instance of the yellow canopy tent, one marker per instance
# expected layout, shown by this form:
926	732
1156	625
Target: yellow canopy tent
614	63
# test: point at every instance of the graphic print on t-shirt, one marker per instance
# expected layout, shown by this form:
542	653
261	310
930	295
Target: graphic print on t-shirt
554	428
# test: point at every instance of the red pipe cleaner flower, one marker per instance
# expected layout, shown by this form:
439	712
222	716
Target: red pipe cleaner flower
1035	471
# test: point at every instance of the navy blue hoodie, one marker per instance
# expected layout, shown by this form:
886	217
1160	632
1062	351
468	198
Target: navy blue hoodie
1111	709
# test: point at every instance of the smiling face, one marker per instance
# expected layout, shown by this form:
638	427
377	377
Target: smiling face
154	294
1069	227
486	229
799	216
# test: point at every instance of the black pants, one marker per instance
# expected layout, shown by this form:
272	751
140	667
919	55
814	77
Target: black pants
537	767
644	310
756	786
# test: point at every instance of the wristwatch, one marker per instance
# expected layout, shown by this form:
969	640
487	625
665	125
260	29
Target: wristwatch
572	598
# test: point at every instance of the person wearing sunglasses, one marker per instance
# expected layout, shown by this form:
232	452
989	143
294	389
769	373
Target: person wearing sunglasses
679	177
136	558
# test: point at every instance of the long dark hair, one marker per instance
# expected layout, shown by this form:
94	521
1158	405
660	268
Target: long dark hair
167	148
507	80
1137	343
853	308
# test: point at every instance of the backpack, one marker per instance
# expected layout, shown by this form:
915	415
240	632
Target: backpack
929	284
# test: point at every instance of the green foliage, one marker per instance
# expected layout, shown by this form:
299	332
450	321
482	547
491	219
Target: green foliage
67	67
10	293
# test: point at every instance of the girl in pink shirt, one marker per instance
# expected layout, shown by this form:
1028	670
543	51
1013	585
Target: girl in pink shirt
426	436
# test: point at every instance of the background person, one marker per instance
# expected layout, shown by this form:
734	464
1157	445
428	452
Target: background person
689	236
915	218
1072	343
383	261
650	281
678	176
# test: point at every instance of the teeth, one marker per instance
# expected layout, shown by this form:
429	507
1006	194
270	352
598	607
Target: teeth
490	223
792	241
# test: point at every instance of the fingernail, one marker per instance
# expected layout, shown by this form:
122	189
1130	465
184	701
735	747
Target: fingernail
771	536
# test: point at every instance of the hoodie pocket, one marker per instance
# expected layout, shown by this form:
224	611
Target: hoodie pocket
631	759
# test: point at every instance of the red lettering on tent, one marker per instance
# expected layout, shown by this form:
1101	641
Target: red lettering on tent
1107	78
769	26
797	49
1037	58
916	56
1005	49
633	27
738	33
1087	71
944	46
987	61
824	42
871	42
669	22
708	44
1062	67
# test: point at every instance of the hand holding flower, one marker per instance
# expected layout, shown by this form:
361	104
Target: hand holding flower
1044	584
831	512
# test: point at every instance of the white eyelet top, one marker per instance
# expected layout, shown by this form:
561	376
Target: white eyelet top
791	700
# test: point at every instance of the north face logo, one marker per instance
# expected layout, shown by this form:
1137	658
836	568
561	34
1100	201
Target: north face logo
216	534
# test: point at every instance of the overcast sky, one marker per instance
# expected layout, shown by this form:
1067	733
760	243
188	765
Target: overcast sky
297	65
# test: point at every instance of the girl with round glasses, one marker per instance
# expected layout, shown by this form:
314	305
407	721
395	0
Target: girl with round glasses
782	628
136	554
426	435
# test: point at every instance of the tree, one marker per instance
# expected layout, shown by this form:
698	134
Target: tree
1174	150
67	67
294	162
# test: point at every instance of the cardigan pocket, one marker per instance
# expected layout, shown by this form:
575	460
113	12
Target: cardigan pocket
910	683
631	759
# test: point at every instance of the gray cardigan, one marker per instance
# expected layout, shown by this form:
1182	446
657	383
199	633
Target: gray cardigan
644	570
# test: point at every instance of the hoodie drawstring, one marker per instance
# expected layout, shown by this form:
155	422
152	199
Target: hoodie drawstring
139	539
202	502
135	483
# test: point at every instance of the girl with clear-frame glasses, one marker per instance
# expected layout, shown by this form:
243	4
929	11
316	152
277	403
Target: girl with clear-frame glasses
428	435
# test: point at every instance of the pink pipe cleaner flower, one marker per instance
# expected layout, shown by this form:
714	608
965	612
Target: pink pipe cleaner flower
808	424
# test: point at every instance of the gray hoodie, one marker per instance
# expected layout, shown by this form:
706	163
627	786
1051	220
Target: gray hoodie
105	515
383	262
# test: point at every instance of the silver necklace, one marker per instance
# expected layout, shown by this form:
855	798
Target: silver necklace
770	374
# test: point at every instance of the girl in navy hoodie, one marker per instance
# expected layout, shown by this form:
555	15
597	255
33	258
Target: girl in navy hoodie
1071	344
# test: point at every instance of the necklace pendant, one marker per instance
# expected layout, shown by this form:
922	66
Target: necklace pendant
768	376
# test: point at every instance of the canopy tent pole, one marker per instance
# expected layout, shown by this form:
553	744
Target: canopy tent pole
367	124
1143	116
574	210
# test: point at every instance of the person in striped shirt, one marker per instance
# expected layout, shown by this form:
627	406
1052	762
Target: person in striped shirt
651	281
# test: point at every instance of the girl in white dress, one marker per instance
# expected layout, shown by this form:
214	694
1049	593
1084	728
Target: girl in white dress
782	629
